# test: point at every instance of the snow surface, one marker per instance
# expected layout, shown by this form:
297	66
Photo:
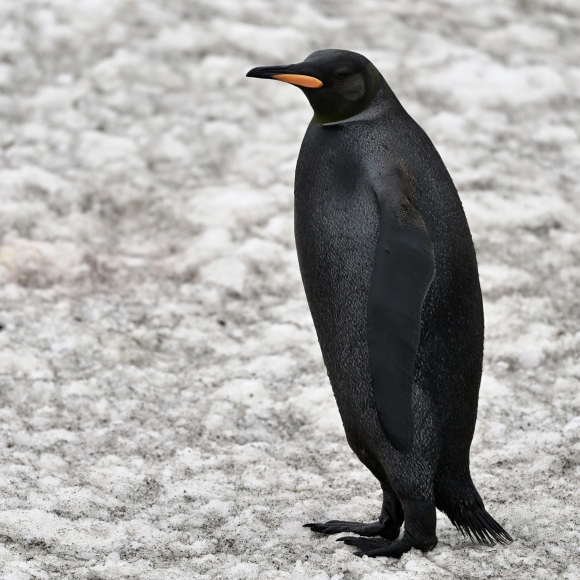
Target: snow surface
165	413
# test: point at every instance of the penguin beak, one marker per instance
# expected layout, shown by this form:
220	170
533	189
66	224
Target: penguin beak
287	74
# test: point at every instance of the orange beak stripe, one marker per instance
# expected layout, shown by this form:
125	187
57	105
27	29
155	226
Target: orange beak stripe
300	80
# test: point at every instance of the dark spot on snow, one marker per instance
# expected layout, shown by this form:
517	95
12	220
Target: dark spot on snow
222	322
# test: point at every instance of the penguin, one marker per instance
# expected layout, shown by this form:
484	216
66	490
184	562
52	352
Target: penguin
390	274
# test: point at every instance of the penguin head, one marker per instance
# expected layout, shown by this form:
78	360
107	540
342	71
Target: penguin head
338	83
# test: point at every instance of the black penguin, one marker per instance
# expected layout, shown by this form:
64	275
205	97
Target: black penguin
390	275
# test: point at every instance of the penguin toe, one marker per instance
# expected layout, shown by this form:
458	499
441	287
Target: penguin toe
338	527
365	545
386	549
331	527
394	550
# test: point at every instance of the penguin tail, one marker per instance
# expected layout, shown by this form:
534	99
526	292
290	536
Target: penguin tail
464	508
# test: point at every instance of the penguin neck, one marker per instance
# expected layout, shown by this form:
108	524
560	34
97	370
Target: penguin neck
382	103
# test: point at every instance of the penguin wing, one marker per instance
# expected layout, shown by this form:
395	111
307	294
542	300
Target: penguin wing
404	267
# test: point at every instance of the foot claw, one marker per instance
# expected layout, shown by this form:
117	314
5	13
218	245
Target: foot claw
349	540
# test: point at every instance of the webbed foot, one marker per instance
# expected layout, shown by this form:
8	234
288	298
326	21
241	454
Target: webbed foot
364	544
420	524
374	547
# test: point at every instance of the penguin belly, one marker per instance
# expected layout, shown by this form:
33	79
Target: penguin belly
336	229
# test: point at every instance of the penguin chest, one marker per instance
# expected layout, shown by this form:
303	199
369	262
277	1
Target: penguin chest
336	228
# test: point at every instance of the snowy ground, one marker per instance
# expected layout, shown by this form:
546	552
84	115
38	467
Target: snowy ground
164	412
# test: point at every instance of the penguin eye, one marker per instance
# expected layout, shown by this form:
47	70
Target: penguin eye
341	76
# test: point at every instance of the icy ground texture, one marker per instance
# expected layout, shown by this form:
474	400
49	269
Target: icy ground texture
165	413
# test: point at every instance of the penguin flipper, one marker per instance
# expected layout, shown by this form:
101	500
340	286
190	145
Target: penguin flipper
403	269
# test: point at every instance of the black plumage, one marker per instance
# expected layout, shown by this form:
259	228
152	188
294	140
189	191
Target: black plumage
390	275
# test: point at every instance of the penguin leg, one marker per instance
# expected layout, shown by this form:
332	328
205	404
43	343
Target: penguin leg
420	524
388	526
392	513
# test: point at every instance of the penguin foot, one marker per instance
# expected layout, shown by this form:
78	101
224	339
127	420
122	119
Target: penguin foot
364	544
338	527
374	547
